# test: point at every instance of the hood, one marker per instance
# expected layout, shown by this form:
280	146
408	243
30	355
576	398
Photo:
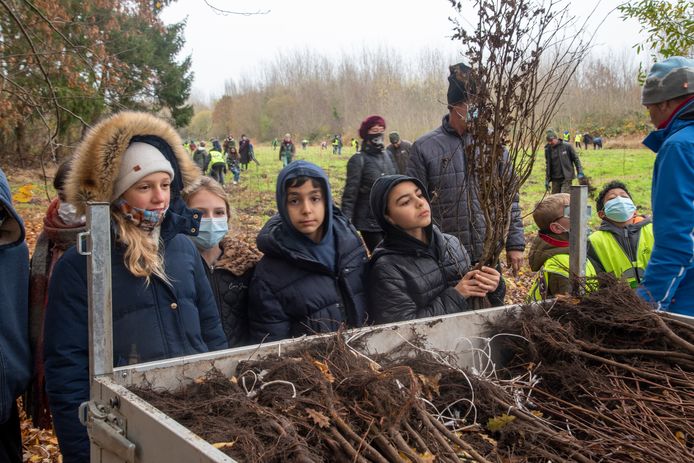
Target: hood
641	222
98	157
540	250
12	227
683	118
302	169
394	235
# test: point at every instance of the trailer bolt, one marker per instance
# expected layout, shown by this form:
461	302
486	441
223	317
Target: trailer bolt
114	402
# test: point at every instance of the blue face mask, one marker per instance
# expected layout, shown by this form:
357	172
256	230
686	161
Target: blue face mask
619	209
211	232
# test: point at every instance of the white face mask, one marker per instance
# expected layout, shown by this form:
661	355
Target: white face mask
68	214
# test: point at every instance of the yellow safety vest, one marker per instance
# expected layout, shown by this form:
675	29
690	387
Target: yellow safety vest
559	265
216	157
578	138
613	258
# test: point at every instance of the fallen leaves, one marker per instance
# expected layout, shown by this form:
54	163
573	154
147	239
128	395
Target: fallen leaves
318	418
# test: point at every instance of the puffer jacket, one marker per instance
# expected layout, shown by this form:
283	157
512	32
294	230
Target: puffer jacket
15	353
293	291
410	279
362	171
669	278
150	321
230	278
437	159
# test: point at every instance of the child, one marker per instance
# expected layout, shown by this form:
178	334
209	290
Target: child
311	278
623	243
228	261
549	251
417	271
162	302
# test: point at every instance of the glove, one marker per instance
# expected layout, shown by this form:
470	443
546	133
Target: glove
547	185
581	176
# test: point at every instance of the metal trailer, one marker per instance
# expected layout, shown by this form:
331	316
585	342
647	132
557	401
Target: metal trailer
125	428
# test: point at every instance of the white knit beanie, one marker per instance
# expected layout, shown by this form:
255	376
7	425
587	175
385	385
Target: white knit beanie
139	160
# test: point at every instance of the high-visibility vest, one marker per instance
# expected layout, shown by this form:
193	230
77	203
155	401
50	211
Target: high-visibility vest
578	138
614	260
559	265
566	136
217	157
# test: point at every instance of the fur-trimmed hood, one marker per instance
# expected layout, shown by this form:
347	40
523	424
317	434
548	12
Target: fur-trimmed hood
98	157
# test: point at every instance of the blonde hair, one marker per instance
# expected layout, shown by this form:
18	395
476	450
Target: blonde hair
550	209
143	257
208	184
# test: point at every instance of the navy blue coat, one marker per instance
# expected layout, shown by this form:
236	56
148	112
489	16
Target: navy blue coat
293	294
15	354
149	323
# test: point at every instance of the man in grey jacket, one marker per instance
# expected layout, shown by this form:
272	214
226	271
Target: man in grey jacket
437	160
560	159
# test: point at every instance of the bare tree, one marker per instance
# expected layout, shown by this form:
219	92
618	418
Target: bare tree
521	58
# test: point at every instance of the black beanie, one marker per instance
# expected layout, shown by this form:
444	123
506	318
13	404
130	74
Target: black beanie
458	84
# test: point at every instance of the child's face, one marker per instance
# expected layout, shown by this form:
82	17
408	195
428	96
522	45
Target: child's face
407	207
151	192
211	205
306	208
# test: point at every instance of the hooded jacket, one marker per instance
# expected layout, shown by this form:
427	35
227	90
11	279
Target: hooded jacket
15	353
669	278
230	279
437	160
150	322
294	291
409	279
363	169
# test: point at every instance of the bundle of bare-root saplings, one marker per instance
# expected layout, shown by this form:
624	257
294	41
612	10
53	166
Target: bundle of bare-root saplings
599	379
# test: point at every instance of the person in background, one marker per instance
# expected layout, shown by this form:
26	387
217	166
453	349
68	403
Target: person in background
243	152
399	150
304	144
229	262
275	142
218	162
437	160
233	164
287	150
229	143
417	271
577	140
15	351
162	302
549	250
622	245
560	160
61	225
201	157
312	277
335	144
597	143
668	94
363	169
566	137
354	143
587	140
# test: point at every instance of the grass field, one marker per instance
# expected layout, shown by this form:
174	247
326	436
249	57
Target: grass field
256	191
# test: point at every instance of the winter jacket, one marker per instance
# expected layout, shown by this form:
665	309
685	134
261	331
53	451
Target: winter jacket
410	279
553	279
631	246
292	291
437	159
401	155
288	150
230	278
567	157
669	279
202	158
362	171
243	151
15	353
150	321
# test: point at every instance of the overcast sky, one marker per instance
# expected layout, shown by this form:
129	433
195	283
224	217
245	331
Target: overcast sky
229	46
